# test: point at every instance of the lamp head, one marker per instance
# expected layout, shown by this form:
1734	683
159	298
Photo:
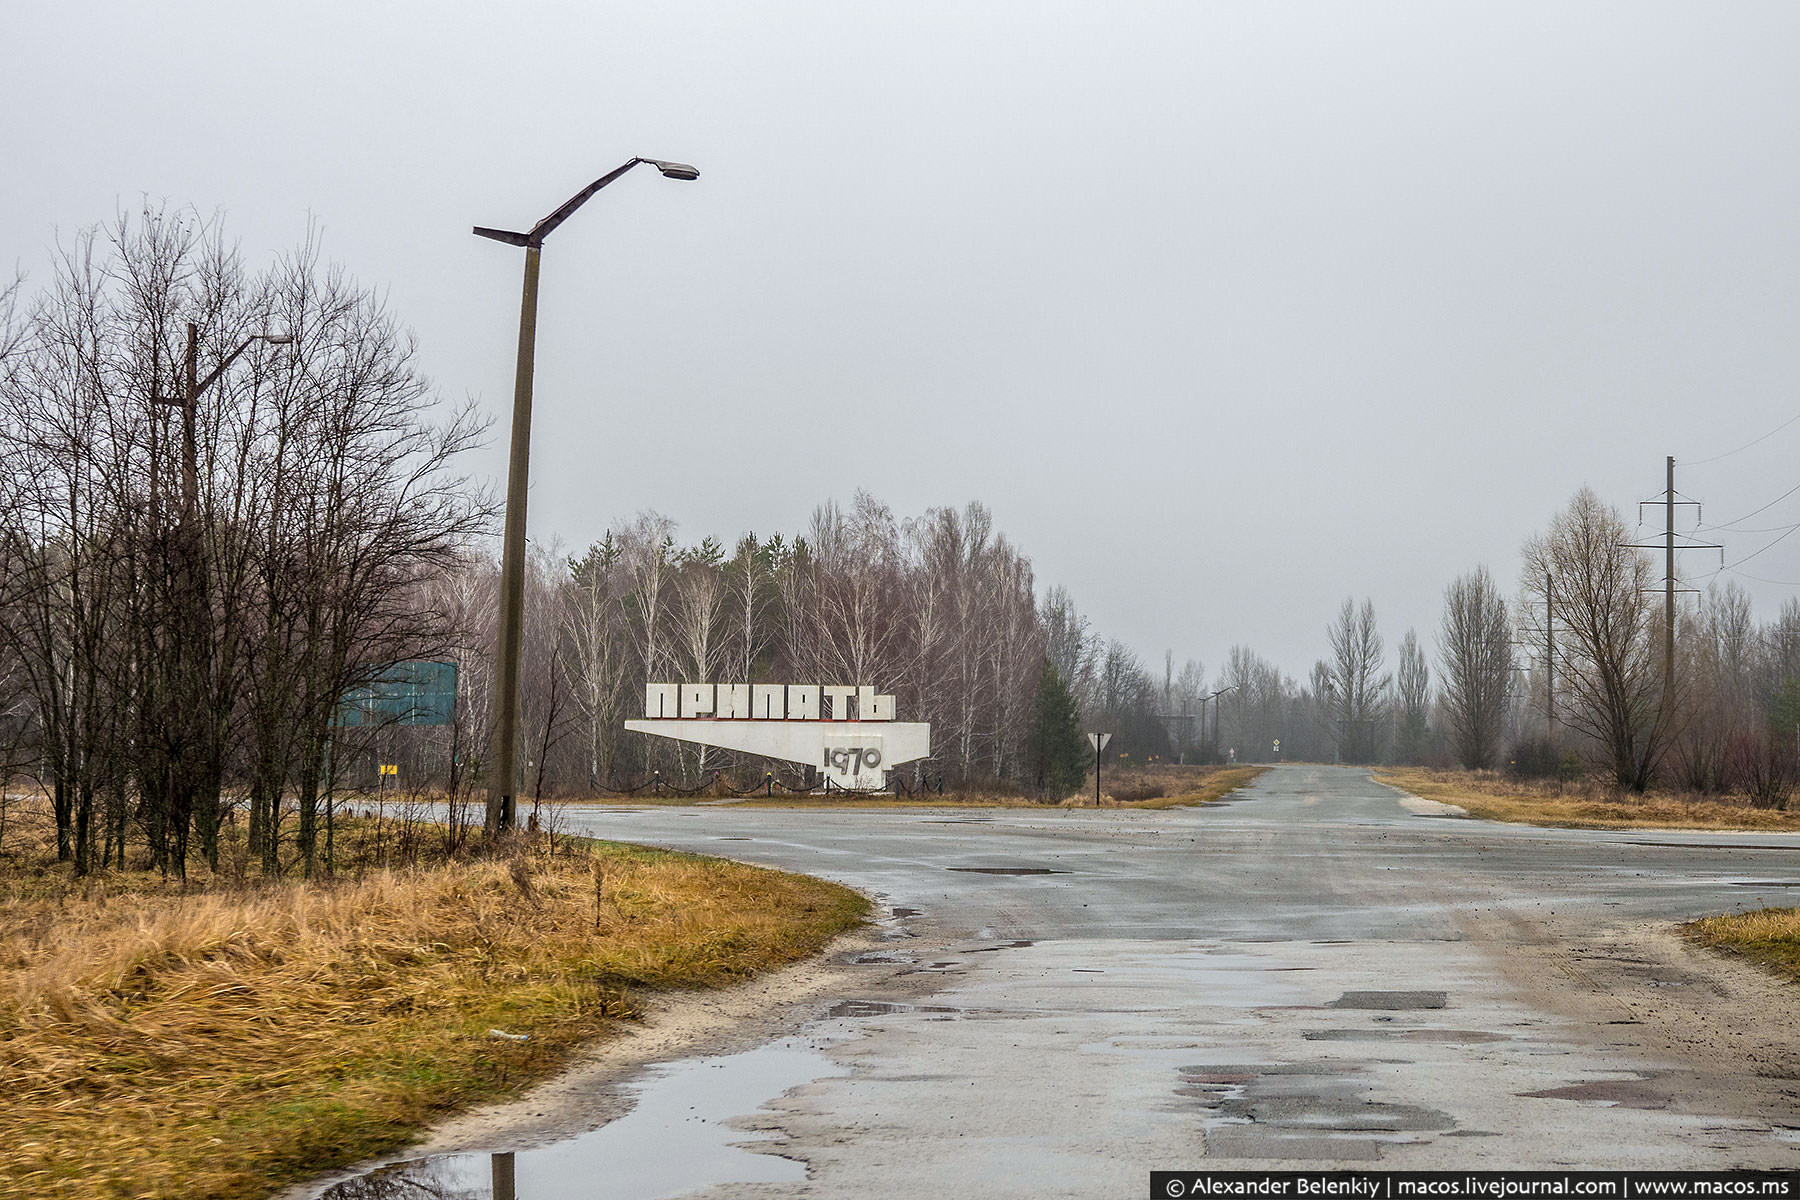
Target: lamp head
673	170
277	339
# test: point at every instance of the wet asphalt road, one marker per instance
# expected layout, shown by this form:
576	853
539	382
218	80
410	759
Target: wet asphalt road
1308	974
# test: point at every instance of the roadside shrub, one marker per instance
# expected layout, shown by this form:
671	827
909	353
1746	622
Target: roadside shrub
1762	768
1534	758
1701	763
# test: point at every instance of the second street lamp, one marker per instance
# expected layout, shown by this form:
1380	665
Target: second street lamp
502	804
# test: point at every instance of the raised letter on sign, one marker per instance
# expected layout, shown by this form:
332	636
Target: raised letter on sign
768	701
870	707
840	701
803	702
734	701
662	700
696	699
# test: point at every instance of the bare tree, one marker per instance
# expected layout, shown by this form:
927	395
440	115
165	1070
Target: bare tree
1413	692
1358	691
599	655
1255	715
1613	665
1071	644
201	560
1475	652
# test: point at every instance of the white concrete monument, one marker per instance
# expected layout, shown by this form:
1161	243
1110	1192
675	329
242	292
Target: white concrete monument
848	733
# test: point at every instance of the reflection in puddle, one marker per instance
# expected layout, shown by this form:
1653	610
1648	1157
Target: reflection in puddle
882	1008
673	1141
1007	870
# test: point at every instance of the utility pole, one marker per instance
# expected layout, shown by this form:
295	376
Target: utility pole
1668	547
1669	580
193	618
1181	723
1213	744
1549	655
503	783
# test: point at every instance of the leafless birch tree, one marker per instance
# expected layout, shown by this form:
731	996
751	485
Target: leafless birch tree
1475	653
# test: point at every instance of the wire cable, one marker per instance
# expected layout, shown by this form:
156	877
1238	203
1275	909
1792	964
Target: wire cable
1726	525
1767	546
1700	462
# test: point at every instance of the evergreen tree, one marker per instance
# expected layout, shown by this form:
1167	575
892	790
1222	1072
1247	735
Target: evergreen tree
1055	750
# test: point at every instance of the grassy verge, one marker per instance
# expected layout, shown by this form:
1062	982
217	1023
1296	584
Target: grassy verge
1161	786
220	1043
1769	937
1210	784
1495	797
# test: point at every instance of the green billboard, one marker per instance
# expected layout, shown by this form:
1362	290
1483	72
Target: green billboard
403	693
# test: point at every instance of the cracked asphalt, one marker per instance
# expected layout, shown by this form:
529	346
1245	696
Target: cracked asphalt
1306	975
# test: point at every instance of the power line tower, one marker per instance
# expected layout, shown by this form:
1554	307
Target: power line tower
1667	545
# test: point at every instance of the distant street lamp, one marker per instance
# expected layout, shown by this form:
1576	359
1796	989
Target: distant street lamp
1215	699
191	644
189	403
502	803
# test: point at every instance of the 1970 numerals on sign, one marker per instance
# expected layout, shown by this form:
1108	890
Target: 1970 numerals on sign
851	758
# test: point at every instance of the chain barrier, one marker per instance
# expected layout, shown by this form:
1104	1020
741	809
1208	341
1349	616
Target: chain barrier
773	784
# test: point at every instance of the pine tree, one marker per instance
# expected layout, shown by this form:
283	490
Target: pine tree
1055	751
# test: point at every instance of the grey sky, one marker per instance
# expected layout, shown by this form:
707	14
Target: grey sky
1226	311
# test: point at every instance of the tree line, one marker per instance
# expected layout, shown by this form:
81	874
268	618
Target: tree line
940	610
1573	676
209	531
231	499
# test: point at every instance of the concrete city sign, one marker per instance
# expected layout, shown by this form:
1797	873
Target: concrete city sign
849	733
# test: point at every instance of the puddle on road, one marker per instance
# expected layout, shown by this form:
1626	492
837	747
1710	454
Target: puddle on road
1007	870
1317	1111
1390	1001
1451	1036
906	912
1711	846
674	1140
882	1008
1641	1092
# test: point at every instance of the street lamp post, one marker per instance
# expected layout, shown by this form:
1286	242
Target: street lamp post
1213	744
192	640
502	805
189	403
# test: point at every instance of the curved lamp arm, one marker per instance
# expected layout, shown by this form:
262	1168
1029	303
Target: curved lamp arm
542	230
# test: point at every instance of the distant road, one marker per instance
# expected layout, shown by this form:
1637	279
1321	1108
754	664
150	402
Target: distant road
1308	974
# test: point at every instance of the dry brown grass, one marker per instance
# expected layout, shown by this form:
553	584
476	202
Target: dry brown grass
1165	785
211	1044
1769	937
1495	797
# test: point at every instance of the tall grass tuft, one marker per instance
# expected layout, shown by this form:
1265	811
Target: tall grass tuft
217	1044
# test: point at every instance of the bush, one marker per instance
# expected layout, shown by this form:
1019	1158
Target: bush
1535	758
1762	767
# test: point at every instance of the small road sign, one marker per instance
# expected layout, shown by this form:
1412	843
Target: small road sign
1098	741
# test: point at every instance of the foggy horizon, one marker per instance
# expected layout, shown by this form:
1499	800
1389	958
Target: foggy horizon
1225	315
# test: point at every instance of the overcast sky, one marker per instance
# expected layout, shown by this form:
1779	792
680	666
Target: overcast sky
1227	311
